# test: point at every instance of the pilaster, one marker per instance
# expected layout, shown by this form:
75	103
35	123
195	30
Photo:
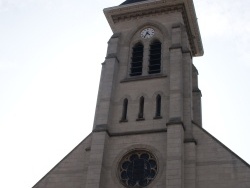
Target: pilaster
197	113
96	159
175	156
176	77
175	128
187	95
190	165
107	84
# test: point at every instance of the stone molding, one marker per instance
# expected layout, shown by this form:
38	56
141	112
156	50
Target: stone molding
176	121
114	134
190	140
197	90
146	77
143	13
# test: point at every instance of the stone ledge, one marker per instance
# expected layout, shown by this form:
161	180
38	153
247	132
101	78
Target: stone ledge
158	117
100	128
175	121
136	78
140	119
113	134
190	140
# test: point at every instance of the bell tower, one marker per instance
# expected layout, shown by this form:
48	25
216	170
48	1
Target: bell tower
149	55
148	97
147	131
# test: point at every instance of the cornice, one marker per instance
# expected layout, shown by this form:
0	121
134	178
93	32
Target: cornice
144	13
194	25
135	8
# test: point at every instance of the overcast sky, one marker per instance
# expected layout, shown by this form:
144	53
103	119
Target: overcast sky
50	60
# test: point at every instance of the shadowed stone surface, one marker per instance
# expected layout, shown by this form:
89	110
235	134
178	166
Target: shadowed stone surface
131	1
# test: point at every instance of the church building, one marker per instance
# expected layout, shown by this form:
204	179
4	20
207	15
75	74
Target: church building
148	129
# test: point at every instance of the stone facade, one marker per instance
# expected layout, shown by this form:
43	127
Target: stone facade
186	156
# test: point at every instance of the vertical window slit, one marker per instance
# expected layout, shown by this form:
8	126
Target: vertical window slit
124	110
158	106
141	108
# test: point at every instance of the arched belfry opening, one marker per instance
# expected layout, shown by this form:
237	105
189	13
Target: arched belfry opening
137	59
155	57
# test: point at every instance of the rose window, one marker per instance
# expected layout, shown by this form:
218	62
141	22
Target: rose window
137	169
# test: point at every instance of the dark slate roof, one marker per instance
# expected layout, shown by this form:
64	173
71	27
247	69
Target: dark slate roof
131	1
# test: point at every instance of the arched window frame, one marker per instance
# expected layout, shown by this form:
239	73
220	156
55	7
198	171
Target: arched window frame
154	65
136	65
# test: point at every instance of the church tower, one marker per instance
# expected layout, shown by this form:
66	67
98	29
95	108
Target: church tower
148	130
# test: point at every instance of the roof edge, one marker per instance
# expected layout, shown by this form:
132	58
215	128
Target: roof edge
62	160
224	146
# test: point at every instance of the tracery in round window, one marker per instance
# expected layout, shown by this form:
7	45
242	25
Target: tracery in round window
137	169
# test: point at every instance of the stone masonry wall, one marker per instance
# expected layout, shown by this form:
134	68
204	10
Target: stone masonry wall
71	171
217	166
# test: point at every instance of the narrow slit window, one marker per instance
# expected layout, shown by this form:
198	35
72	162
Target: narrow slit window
141	108
158	106
155	57
124	110
136	60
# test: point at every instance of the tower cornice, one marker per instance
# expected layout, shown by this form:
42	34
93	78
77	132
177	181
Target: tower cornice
128	12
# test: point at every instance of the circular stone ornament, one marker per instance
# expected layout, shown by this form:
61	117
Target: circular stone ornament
137	169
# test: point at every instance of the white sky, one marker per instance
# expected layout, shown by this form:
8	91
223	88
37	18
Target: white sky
50	60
